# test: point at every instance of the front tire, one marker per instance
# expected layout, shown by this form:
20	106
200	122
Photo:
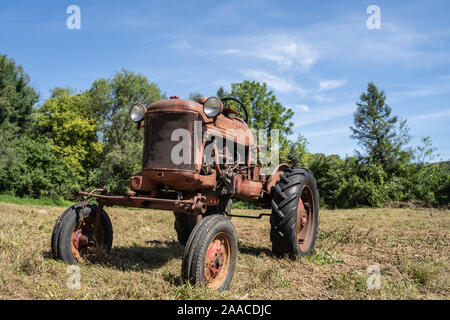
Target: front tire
295	213
210	253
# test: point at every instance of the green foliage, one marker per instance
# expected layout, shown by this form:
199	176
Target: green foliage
195	96
378	132
35	170
296	155
123	143
17	97
264	111
350	182
42	201
69	124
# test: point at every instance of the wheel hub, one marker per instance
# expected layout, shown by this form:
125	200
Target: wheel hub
305	218
214	258
84	240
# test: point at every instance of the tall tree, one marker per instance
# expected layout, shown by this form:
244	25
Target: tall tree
265	112
17	97
112	100
122	153
382	136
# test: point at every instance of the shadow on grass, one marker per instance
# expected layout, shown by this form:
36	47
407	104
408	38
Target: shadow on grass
156	255
254	251
138	258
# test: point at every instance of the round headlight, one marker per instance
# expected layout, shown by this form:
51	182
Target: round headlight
212	107
137	112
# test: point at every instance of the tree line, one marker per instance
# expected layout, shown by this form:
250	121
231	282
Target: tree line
80	140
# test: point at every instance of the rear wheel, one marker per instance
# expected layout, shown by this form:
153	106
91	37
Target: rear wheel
210	253
74	236
295	211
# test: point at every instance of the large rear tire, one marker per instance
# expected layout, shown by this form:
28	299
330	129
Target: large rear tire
295	213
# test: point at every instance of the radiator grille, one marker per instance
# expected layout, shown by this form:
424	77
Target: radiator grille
157	141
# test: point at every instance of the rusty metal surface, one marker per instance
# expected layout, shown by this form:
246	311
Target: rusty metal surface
306	218
158	142
180	180
275	176
196	204
217	261
247	190
221	123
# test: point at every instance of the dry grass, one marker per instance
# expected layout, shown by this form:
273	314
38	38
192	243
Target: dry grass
410	246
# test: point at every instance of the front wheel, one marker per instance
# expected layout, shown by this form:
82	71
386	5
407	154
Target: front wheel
295	213
74	236
210	253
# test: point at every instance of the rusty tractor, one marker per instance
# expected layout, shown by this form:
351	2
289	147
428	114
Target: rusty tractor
197	179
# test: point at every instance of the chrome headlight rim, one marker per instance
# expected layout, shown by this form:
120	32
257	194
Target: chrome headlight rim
137	112
212	107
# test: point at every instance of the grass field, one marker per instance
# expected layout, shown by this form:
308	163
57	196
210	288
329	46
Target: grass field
411	248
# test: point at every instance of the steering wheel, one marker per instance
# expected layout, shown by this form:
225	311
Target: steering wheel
241	105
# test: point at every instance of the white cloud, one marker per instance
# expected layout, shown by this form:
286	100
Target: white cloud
285	50
429	116
322	133
346	39
331	84
320	114
301	107
181	45
273	81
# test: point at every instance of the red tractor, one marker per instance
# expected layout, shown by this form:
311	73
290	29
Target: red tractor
197	180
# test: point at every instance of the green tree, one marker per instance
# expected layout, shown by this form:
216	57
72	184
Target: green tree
264	111
66	120
36	170
195	96
382	136
426	152
297	151
113	99
123	143
17	97
221	93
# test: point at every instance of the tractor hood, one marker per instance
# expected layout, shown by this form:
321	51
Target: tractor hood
221	122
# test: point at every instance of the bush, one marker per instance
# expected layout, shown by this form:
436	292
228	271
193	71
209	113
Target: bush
33	170
352	182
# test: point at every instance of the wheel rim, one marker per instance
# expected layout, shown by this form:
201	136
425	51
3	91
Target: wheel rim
305	219
84	241
217	261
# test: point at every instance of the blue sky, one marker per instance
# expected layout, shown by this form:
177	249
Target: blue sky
316	56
